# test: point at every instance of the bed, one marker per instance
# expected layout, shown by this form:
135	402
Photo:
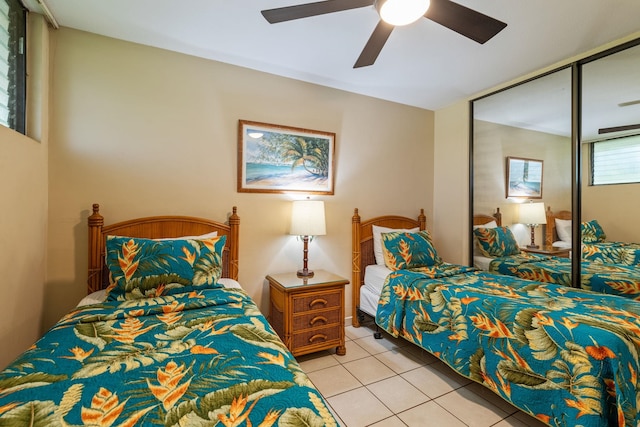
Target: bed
599	273
174	340
595	246
366	259
565	356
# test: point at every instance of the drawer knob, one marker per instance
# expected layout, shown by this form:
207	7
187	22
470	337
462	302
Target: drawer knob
318	319
318	337
318	301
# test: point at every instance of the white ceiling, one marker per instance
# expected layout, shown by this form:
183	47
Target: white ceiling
423	64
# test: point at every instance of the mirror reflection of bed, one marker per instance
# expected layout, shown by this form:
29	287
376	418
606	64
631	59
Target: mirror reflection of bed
607	266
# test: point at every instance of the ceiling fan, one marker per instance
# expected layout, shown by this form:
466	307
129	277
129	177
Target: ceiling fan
467	22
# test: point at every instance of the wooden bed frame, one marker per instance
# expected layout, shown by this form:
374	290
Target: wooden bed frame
480	219
362	243
551	234
156	227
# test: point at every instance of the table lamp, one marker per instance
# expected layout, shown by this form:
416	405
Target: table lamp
532	214
307	220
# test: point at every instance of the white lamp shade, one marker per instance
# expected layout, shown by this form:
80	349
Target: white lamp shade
532	214
401	12
307	218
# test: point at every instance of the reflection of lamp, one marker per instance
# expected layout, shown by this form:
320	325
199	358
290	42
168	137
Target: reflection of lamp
532	214
307	219
401	12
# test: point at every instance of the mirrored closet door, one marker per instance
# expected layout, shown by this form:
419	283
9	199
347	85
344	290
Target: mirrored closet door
558	141
522	158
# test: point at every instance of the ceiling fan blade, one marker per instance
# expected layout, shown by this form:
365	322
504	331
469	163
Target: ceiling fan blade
628	103
375	44
467	22
618	129
289	13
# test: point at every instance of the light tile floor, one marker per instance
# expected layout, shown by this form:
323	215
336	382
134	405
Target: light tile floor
392	383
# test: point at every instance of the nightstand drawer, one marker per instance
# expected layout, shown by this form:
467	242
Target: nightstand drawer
316	301
316	337
316	319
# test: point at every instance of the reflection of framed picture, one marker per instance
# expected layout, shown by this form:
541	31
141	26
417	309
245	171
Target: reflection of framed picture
524	178
279	159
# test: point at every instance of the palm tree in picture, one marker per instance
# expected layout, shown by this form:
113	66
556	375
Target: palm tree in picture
312	154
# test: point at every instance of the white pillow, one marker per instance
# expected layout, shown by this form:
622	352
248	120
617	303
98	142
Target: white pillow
476	250
377	239
200	237
492	224
563	228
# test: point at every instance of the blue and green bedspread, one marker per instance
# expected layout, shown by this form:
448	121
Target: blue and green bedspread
619	253
616	279
566	356
200	359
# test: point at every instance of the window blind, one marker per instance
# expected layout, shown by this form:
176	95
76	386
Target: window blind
12	64
616	161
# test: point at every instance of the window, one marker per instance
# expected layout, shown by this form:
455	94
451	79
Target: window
12	64
616	161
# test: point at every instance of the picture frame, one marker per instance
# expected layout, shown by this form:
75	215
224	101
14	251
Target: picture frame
524	178
283	159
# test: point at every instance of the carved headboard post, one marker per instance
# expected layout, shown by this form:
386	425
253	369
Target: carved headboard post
498	216
549	231
356	275
234	223
96	221
422	219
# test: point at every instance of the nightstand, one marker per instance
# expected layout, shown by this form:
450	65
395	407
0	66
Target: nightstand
308	313
548	250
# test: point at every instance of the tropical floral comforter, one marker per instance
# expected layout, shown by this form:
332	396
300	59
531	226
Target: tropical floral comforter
200	359
619	253
566	356
616	279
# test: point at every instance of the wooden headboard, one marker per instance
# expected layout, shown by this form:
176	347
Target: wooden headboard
362	243
156	227
551	234
485	219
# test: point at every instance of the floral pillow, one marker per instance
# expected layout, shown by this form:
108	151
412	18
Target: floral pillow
592	232
496	242
145	268
404	250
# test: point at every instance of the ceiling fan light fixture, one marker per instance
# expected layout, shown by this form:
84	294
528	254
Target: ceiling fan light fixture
401	12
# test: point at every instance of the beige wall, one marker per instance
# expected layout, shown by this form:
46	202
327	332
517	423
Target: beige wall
144	131
451	183
23	222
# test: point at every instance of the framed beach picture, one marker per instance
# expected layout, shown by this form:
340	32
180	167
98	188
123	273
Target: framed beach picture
282	159
524	178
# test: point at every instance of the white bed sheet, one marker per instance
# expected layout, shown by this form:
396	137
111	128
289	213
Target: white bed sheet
374	277
562	244
368	301
482	262
99	296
